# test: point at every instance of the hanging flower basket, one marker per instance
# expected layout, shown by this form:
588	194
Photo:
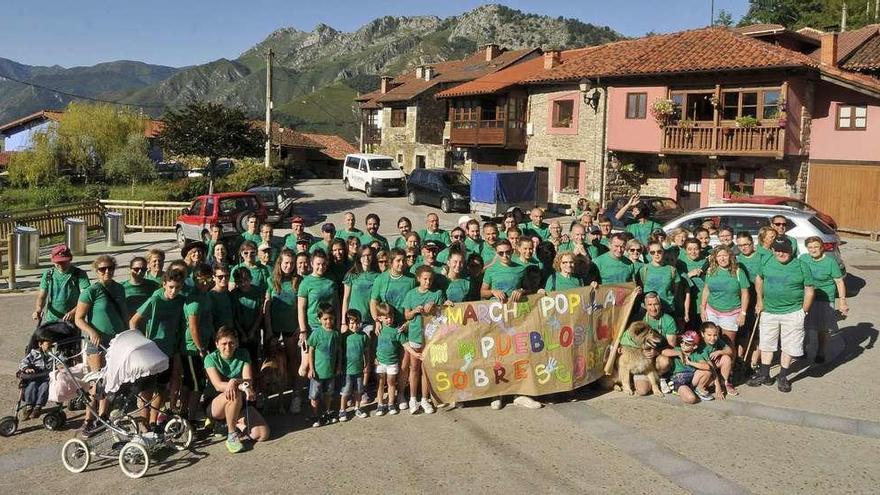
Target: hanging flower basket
662	109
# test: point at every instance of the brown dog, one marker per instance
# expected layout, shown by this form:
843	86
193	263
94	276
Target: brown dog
274	369
639	360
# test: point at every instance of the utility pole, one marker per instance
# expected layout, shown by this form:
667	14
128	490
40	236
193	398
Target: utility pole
268	157
711	12
843	18
876	9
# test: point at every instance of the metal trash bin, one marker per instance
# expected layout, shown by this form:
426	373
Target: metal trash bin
114	228
27	247
75	235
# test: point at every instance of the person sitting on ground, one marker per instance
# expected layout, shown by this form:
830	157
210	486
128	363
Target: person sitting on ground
324	364
665	325
691	374
34	371
61	286
229	371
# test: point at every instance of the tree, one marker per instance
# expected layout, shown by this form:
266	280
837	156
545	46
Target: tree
820	14
38	166
131	163
785	12
212	131
724	18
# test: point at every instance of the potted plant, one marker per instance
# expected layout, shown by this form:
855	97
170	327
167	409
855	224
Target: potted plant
715	101
781	118
746	122
662	109
687	125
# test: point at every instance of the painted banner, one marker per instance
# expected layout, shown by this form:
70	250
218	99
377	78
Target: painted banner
543	345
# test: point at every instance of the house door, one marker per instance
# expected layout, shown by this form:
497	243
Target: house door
690	187
420	161
543	177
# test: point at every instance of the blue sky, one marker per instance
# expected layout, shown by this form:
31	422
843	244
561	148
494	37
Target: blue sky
185	32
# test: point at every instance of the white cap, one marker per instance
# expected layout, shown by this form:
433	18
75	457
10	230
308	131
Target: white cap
264	247
462	220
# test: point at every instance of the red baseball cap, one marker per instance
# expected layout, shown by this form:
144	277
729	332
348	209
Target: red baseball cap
297	219
61	253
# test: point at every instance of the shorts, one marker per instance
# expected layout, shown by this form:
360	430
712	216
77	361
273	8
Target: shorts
321	386
683	379
783	332
726	320
353	384
416	346
194	376
387	369
92	349
822	316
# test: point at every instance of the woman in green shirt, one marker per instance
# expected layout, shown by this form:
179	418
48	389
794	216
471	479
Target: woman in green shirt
357	285
766	237
259	272
726	293
692	267
281	318
314	290
563	278
458	283
828	280
662	278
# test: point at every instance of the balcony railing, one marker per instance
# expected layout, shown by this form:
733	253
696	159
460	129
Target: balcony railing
724	140
486	133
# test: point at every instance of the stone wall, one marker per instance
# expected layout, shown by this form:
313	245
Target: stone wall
400	142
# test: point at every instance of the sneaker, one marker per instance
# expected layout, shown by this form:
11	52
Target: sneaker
665	387
427	406
365	400
413	405
381	410
392	410
731	390
361	413
343	416
526	402
330	418
317	422
296	404
220	430
495	405
233	443
757	380
783	385
402	403
703	395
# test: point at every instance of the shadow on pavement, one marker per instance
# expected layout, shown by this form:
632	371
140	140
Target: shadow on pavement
857	339
853	284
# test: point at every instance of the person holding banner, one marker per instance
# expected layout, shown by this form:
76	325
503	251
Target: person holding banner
564	277
458	283
418	302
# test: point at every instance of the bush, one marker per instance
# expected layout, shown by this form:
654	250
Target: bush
249	173
185	189
60	191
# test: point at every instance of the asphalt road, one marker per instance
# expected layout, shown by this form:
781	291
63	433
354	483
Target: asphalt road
824	437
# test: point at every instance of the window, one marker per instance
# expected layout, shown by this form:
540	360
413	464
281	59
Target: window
209	206
636	105
563	113
740	182
852	117
570	175
770	104
749	224
400	158
196	208
749	107
516	113
698	107
398	117
760	103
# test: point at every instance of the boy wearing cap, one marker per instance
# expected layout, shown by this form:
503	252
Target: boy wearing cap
60	287
328	233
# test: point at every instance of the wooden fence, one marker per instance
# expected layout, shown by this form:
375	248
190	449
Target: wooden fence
50	219
146	215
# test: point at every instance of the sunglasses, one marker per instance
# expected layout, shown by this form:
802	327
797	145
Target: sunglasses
779	224
380	260
506	252
411	256
138	269
635	250
221	277
247	253
105	269
656	251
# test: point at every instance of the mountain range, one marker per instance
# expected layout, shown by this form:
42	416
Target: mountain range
316	74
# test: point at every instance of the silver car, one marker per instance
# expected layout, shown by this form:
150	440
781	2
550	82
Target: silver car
750	218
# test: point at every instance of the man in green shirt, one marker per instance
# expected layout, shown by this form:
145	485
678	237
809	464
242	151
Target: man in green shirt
785	292
137	288
640	226
613	266
252	233
350	230
503	280
490	238
291	240
473	243
433	232
328	233
780	224
61	286
372	233
536	227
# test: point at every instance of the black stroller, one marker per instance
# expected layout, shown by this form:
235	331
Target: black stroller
65	346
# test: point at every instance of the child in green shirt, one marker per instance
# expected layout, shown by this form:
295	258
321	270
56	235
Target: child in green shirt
389	345
690	369
357	358
324	364
418	302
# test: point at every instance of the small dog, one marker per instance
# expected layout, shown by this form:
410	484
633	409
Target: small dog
639	361
274	369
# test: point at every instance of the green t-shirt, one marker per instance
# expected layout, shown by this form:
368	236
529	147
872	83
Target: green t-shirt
400	243
686	264
325	345
103	314
345	234
317	290
505	278
614	270
290	240
751	265
163	321
136	295
557	281
282	309
443	255
784	285
246	308
247	236
705	349
642	231
389	345
471	246
415	298
661	279
260	275
529	229
355	345
221	309
665	325
824	270
392	290
440	236
487	252
199	304
322	245
62	291
594	251
678	363
359	296
724	288
458	290
367	238
227	368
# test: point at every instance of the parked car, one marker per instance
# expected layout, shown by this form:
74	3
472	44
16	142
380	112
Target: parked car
660	209
373	174
231	210
223	167
170	170
785	201
448	189
278	201
750	218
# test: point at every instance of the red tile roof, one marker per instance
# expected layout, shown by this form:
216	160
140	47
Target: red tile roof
867	57
849	41
41	115
333	146
700	50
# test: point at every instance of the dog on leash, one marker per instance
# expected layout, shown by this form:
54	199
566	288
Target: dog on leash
639	360
273	372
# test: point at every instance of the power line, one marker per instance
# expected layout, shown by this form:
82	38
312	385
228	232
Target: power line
76	96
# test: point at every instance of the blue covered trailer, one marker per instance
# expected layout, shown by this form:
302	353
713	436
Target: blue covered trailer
495	192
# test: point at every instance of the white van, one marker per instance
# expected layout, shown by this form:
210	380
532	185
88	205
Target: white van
373	174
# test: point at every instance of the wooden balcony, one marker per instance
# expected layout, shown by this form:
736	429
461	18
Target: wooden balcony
724	140
489	133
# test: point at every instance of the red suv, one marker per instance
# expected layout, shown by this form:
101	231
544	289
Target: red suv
230	210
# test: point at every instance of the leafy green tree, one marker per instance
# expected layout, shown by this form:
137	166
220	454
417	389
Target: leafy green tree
212	131
724	18
38	166
820	14
131	163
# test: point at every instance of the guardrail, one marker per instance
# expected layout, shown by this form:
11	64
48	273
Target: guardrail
146	215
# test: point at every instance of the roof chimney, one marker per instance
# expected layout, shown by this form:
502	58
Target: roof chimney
428	72
385	84
420	72
552	58
492	51
828	50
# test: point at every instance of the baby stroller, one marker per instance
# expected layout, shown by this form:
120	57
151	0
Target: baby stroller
65	344
131	358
